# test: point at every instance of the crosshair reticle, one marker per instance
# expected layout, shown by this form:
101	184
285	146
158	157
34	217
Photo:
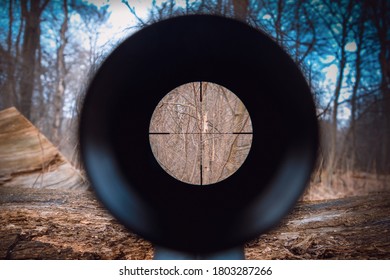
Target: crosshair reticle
200	133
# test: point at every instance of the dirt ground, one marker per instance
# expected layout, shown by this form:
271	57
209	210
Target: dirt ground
53	224
347	228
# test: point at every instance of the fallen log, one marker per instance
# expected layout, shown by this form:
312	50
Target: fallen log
29	159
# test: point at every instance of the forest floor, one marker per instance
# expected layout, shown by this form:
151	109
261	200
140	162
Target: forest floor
53	224
48	212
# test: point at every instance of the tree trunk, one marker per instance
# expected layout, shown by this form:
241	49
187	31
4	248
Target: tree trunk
241	9
297	29
333	158
379	11
10	60
384	60
356	85
278	23
31	11
61	73
332	163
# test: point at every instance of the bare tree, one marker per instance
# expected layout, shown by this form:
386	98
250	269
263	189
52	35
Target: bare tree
10	58
380	17
360	34
31	12
341	17
61	74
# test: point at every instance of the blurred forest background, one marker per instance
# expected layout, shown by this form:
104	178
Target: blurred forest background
50	48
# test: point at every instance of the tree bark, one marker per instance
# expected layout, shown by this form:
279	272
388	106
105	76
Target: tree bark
278	23
61	73
28	159
356	85
297	30
333	159
241	9
381	23
31	11
9	99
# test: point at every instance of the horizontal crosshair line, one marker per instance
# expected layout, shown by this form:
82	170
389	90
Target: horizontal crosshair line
178	133
162	133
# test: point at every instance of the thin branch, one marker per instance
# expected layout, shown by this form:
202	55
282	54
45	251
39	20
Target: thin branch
132	10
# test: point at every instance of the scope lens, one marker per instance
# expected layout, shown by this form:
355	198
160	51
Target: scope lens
200	133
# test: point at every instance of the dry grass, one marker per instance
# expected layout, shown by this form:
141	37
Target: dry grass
347	184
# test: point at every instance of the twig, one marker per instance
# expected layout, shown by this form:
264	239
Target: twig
132	10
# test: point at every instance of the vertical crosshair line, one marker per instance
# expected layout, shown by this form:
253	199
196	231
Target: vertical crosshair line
201	132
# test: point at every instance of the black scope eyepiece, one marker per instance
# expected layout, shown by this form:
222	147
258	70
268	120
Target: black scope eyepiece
114	133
